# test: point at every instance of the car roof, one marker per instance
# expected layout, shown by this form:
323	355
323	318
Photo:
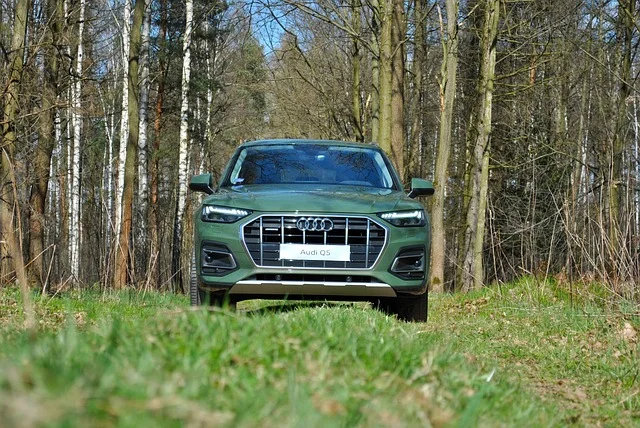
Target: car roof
307	141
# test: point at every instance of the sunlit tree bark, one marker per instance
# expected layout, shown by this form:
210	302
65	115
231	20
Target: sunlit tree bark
615	151
413	152
75	205
473	271
447	96
10	234
356	78
154	232
184	141
123	251
124	118
374	96
398	36
385	14
143	182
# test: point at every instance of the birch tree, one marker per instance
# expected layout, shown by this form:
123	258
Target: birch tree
76	118
109	107
124	119
145	86
184	139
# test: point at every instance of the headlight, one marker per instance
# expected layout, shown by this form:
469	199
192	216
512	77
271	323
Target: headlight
405	218
218	214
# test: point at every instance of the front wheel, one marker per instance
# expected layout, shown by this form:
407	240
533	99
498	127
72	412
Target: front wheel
217	300
200	297
194	291
413	308
406	308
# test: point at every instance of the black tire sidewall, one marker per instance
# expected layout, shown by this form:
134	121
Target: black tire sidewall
194	292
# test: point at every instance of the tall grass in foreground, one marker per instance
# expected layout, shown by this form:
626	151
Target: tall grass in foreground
523	354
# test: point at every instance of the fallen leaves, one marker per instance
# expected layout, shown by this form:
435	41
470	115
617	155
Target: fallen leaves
628	333
328	406
576	394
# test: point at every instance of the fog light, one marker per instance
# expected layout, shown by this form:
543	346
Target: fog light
409	264
217	260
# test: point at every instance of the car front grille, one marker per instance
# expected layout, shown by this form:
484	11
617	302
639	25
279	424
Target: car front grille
263	237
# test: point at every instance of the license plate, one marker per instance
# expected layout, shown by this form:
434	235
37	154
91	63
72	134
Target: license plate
332	253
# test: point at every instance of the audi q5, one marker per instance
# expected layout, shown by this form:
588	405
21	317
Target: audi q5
320	220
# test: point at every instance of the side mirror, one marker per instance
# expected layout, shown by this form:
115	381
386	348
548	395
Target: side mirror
420	187
202	183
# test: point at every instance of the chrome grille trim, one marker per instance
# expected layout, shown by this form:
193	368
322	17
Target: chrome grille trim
365	235
366	262
280	288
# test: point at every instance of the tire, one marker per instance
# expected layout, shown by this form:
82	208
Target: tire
218	300
413	308
406	308
194	291
200	297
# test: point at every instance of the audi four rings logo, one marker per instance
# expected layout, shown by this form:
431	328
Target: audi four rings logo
317	224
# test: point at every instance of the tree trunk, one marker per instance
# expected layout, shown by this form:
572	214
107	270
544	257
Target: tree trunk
461	217
184	143
64	170
375	71
473	272
613	175
46	142
385	76
417	99
478	245
356	80
124	118
75	204
577	186
10	235
109	108
123	251
398	34
143	182
448	94
154	250
208	131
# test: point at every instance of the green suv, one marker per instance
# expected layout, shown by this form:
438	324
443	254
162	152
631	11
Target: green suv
308	219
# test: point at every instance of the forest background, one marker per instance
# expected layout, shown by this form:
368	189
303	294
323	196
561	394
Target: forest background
524	113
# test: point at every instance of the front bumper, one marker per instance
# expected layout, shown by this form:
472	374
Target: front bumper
248	279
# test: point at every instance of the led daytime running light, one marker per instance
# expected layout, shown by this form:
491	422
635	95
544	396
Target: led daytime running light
413	218
417	214
210	209
216	214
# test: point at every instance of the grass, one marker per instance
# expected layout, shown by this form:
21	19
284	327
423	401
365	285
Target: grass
523	354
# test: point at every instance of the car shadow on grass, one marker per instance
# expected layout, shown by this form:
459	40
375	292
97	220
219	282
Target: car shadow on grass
287	306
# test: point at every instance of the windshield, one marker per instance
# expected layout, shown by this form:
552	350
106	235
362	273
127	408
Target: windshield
311	164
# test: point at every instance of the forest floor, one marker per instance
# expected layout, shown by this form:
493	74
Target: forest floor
524	354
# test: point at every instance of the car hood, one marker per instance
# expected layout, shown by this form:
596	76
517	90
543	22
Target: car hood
312	198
